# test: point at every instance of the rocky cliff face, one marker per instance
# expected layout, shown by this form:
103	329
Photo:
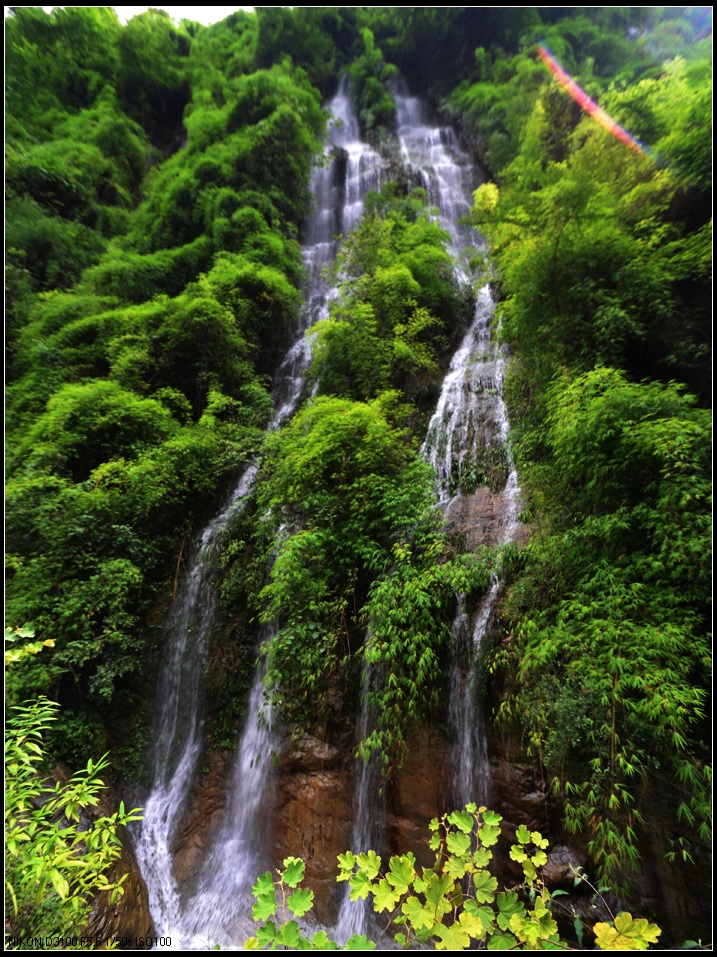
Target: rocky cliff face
312	814
309	814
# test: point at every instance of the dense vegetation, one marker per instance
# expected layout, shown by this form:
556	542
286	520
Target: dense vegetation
157	180
452	905
608	314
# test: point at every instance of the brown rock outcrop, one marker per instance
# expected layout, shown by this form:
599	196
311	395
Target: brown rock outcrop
312	815
205	811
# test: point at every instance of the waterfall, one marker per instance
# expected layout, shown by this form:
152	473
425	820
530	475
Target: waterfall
219	907
466	440
468	426
220	900
179	722
368	828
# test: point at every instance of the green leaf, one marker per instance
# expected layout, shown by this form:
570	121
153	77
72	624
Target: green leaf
289	934
360	942
360	885
485	914
267	934
300	902
265	892
626	934
346	865
418	914
482	857
385	897
59	883
462	820
472	925
370	864
579	931
264	908
293	871
264	885
522	834
489	834
454	937
501	940
485	886
534	926
537	838
508	905
321	941
401	872
539	859
436	892
458	843
456	867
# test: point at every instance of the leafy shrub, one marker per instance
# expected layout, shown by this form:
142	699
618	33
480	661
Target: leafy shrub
56	859
454	905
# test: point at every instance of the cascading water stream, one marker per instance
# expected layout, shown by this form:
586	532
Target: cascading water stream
367	833
469	421
179	722
218	905
466	440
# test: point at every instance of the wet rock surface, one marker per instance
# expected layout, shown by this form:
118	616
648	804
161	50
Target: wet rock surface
476	519
312	814
563	865
420	793
205	812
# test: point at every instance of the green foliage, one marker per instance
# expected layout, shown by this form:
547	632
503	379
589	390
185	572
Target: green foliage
152	82
13	655
614	603
56	860
317	39
625	933
453	905
601	261
358	549
137	396
398	307
88	424
54	251
409	613
497	110
368	74
262	137
157	179
330	475
58	62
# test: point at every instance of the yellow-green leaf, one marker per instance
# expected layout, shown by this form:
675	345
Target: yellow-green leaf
627	934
